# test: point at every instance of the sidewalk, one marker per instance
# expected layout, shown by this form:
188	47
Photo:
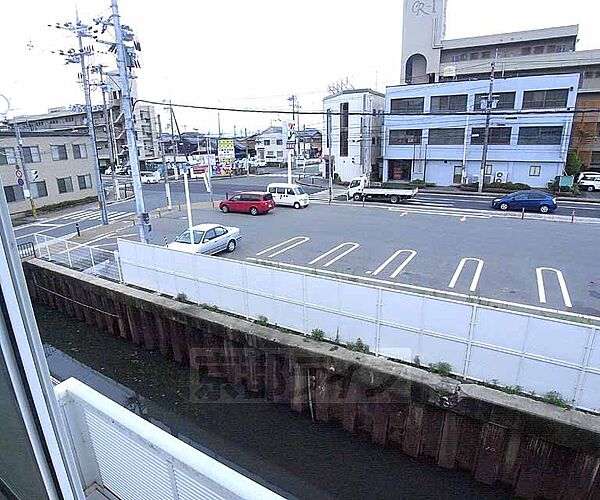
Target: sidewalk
454	191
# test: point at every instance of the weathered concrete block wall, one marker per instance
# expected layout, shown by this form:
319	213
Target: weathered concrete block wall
540	450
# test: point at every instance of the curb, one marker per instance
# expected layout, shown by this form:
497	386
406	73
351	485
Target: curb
496	195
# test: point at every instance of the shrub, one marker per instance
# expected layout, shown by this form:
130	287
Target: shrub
555	398
317	334
441	367
262	320
417	182
358	346
181	297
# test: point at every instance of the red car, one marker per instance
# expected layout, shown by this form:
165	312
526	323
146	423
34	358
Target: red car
249	202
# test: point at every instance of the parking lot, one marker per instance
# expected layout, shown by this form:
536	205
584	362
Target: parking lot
535	262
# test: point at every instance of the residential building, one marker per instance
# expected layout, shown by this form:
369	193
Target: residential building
356	119
271	146
310	143
431	133
428	57
73	118
62	168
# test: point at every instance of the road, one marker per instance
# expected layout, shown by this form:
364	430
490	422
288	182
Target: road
442	242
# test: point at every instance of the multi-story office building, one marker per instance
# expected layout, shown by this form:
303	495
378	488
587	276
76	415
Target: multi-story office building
355	138
61	169
431	133
428	57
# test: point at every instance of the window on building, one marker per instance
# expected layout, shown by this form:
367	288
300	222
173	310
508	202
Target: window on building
474	55
535	170
456	58
540	135
463	57
7	156
14	193
279	142
344	129
487	169
485	54
498	135
597	129
525	51
561	48
279	154
551	49
407	106
38	189
84	181
597	74
403	137
504	100
595	158
372	141
59	152
446	136
267	142
539	49
79	151
31	154
65	184
537	99
448	103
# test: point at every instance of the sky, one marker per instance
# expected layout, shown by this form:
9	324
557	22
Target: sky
247	54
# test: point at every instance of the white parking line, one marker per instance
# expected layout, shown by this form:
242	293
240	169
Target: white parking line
459	269
353	246
411	255
298	241
561	283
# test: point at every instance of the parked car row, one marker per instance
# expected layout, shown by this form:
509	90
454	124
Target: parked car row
256	203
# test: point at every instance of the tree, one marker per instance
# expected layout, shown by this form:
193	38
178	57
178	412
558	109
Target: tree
574	164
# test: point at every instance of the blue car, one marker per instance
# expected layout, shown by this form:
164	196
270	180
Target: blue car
528	200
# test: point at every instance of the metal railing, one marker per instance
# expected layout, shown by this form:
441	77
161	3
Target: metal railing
121	452
86	258
26	250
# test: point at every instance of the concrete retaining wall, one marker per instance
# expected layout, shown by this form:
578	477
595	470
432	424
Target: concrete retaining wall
539	449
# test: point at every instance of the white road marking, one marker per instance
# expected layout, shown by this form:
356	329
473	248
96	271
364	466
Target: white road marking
415	288
411	255
463	218
298	241
459	269
353	246
561	283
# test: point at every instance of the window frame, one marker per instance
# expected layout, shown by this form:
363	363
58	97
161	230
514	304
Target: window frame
5	158
58	179
36	184
14	189
407	105
85	177
544	102
492	137
459	131
440	104
404	136
29	156
524	139
77	149
532	170
58	148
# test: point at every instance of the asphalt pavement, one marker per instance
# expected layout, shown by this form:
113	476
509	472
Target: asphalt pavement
443	242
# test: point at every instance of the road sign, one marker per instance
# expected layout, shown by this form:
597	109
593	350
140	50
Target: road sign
290	145
19	173
20	182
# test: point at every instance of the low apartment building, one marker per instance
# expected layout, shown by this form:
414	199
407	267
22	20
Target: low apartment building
271	146
431	133
61	169
355	138
73	119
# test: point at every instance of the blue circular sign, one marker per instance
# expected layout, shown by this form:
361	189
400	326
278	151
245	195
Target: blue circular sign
20	182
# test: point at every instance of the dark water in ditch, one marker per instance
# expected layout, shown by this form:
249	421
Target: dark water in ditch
266	441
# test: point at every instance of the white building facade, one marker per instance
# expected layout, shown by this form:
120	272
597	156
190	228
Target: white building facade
434	132
270	146
355	138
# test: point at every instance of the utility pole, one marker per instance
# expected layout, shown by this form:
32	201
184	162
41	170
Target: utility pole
186	186
26	175
246	151
109	136
174	145
329	169
486	136
79	30
161	147
142	215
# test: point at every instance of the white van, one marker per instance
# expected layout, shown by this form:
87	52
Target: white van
590	182
291	195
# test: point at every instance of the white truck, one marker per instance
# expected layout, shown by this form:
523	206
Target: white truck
360	188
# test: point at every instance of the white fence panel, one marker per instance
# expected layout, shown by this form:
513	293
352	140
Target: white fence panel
538	354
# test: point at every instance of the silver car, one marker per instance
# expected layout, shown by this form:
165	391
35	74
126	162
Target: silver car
208	239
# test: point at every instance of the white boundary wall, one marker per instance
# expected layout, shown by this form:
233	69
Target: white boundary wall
481	343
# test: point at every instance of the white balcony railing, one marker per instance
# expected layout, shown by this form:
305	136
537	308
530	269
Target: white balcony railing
121	455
